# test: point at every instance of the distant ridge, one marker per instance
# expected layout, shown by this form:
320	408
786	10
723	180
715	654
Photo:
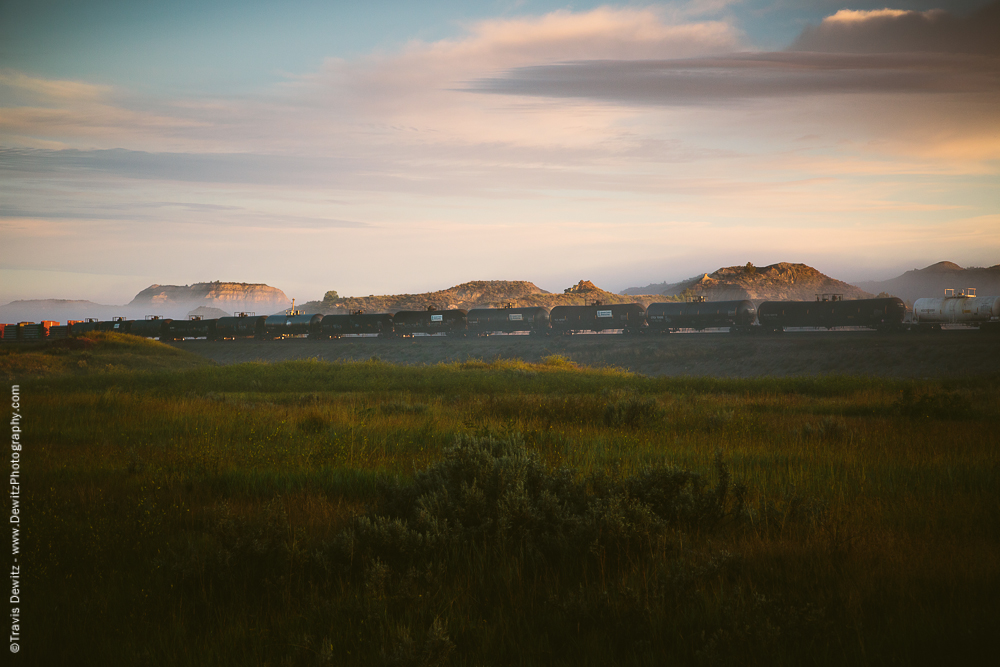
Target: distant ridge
776	282
475	294
933	280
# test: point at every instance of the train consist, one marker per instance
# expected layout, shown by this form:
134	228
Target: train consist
828	311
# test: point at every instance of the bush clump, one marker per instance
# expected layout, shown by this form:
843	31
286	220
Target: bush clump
492	495
633	412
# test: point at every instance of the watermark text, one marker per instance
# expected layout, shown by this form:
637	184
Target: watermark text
16	443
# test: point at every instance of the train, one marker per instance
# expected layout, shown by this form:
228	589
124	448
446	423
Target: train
828	311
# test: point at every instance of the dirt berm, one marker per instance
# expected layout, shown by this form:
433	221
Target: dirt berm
905	355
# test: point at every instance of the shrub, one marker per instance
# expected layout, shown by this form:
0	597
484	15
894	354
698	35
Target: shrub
494	495
633	412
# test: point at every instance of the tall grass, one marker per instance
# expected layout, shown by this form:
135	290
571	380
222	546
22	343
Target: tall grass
504	512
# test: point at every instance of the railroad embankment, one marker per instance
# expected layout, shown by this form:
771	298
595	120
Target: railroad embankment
906	355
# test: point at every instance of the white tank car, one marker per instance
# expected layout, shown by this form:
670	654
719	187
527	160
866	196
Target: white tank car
961	308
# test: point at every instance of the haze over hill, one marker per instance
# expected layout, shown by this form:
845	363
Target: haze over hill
177	301
777	282
36	310
933	280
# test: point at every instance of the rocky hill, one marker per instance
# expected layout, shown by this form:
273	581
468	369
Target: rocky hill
476	294
778	282
177	300
935	279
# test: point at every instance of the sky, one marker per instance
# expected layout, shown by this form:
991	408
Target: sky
391	147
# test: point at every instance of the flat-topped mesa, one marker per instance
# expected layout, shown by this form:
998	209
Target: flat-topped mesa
227	296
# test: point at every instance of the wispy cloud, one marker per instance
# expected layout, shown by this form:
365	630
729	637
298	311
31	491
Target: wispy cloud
896	31
743	76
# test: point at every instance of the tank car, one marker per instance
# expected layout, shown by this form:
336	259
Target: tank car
884	314
84	327
291	324
963	307
356	324
151	327
240	325
119	324
737	316
628	317
195	327
485	321
453	322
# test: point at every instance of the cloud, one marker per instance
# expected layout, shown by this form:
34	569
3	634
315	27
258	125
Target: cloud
901	82
898	31
40	112
749	75
885	51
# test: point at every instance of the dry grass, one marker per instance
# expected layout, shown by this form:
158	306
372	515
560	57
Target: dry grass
198	516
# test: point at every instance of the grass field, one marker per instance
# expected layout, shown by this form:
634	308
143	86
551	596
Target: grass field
496	513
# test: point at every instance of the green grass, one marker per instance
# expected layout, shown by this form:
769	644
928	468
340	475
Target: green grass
184	513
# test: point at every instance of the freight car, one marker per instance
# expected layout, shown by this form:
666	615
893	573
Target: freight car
240	325
30	331
737	316
831	311
963	307
80	328
486	321
453	322
356	324
151	327
628	317
290	324
193	327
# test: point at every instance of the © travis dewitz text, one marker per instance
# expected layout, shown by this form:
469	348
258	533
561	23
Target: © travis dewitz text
15	612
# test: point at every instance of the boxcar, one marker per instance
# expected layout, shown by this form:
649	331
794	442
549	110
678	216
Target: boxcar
452	322
738	316
484	321
628	317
